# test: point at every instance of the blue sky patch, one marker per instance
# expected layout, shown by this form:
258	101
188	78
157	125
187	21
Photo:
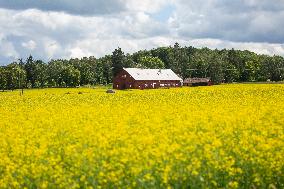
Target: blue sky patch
164	14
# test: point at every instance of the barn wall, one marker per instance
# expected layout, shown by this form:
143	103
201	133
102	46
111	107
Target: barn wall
123	81
155	84
194	84
197	84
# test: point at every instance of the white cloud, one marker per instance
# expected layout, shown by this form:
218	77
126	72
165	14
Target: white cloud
88	7
148	6
260	48
31	45
238	20
98	47
79	52
52	48
7	49
218	24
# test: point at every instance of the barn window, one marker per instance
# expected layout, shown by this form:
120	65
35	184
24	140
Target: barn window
124	76
130	86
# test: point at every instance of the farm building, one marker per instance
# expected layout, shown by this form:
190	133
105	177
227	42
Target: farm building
136	78
197	82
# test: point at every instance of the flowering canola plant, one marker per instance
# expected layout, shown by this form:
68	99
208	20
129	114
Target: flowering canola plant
227	136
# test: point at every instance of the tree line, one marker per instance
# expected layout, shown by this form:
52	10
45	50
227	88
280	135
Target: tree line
220	65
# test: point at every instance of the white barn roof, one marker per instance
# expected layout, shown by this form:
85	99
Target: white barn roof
152	74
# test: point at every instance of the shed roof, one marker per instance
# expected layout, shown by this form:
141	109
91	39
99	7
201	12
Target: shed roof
152	74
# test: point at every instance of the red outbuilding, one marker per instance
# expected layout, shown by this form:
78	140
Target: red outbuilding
136	78
197	82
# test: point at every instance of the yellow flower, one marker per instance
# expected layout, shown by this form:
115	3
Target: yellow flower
205	137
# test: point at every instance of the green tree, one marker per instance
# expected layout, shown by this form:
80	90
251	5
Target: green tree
100	79
85	66
200	63
70	76
234	59
41	74
273	68
137	55
55	69
107	74
118	61
15	76
30	70
230	73
3	78
215	68
165	54
181	61
36	72
221	65
150	62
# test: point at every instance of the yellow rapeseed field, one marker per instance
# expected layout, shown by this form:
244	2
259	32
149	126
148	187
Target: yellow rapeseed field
227	136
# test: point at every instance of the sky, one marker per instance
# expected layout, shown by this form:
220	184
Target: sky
76	28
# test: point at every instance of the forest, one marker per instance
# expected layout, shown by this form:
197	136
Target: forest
222	66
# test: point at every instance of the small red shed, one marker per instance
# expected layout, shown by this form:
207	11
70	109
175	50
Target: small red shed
197	82
136	78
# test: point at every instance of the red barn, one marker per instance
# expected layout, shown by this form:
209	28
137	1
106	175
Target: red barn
136	78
